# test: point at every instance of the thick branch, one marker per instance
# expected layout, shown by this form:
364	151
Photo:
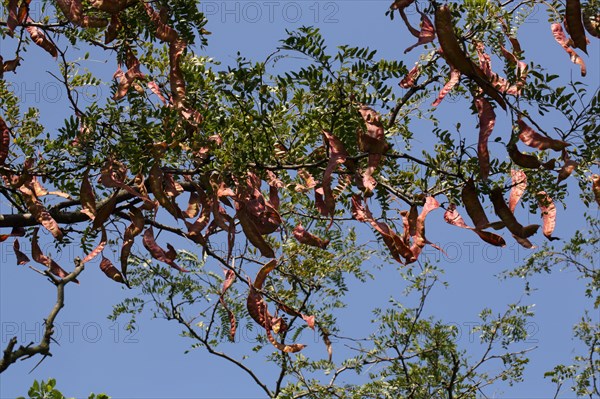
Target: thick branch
27	219
72	217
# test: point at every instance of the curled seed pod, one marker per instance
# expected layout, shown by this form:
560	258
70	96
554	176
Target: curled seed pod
451	216
561	38
21	257
448	86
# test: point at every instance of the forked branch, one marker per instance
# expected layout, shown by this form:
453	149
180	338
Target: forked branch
43	347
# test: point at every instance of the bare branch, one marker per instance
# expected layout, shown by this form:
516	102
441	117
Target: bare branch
43	348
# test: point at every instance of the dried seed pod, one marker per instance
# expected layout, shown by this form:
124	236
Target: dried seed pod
451	216
4	141
401	4
111	271
39	257
308	238
519	181
73	11
425	35
253	235
566	170
574	24
505	214
99	248
87	198
39	211
559	36
257	308
21	257
229	279
156	251
522	160
596	188
533	139
474	208
134	229
12	21
408	81
39	38
487	121
104	211
156	181
457	58
548	214
448	86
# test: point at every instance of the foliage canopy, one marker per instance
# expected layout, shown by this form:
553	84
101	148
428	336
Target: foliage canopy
274	172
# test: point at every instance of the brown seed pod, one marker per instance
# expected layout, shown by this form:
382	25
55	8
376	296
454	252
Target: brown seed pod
575	24
21	257
134	229
487	121
253	235
39	38
87	198
39	211
519	181
156	251
522	160
548	214
229	279
506	215
73	11
449	43
473	206
596	187
308	238
451	216
561	38
533	139
457	58
566	170
448	86
4	141
111	271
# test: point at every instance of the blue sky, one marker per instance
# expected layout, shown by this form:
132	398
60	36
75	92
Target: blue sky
97	355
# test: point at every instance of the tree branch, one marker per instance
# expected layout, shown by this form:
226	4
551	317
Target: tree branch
72	217
43	348
411	92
